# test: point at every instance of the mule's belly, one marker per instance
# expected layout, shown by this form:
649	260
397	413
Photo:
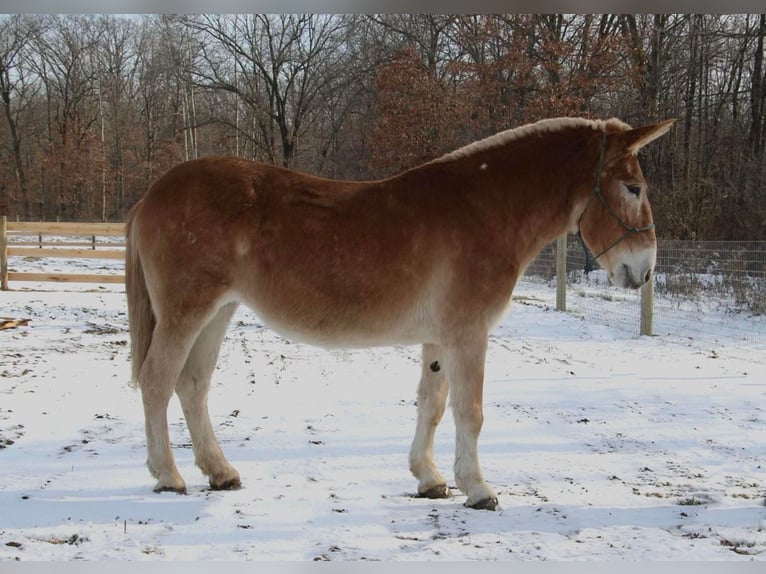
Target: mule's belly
339	329
333	290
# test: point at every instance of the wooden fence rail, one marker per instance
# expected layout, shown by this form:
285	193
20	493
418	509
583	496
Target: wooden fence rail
66	250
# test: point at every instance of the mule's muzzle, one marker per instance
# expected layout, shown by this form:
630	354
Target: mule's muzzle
630	279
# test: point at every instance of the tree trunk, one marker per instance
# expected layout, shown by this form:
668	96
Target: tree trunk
757	93
22	190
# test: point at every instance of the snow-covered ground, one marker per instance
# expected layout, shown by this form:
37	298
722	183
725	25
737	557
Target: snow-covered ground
601	445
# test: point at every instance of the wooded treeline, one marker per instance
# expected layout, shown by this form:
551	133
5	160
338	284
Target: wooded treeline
94	107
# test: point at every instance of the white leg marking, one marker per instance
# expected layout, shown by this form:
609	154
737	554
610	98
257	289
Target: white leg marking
465	374
432	400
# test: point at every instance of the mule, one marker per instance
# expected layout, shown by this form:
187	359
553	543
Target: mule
430	256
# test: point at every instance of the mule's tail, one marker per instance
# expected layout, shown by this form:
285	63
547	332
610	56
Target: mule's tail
141	320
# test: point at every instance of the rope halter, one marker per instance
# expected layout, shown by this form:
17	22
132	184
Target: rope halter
629	229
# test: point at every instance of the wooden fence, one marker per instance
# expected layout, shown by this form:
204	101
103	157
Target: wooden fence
33	239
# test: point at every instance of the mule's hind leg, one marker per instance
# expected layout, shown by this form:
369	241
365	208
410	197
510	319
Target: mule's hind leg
432	399
465	373
157	378
193	386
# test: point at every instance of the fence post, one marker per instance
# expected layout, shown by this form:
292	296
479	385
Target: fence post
561	273
647	307
3	253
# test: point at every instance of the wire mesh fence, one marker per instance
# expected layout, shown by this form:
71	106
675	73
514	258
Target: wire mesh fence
703	289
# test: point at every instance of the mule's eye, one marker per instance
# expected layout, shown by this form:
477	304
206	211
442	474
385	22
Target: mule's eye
633	188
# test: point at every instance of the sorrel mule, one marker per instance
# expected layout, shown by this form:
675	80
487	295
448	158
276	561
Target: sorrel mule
429	256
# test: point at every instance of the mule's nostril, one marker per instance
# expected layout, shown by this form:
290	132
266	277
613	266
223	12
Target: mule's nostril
648	276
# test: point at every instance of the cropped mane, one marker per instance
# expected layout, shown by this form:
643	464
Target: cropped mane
547	125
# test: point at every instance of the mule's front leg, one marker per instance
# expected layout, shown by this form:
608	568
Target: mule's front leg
466	381
432	400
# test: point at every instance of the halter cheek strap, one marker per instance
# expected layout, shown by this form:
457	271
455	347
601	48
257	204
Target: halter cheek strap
629	229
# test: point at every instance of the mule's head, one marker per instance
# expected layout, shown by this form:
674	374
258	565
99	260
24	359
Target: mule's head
616	220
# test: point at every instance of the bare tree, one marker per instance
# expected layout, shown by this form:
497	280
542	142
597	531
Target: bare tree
277	66
17	90
117	62
429	35
758	90
66	56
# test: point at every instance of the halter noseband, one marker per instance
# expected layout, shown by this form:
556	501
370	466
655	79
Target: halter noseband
629	229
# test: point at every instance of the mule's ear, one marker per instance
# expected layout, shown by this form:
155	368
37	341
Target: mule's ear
635	139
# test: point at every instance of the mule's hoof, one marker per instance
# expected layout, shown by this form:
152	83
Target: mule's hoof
438	491
169	488
229	484
486	504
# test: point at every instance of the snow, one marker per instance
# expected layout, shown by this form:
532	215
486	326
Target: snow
601	445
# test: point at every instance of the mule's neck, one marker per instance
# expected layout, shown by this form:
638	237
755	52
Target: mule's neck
537	184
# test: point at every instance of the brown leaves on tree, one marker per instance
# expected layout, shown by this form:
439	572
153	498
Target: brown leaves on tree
417	115
510	71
